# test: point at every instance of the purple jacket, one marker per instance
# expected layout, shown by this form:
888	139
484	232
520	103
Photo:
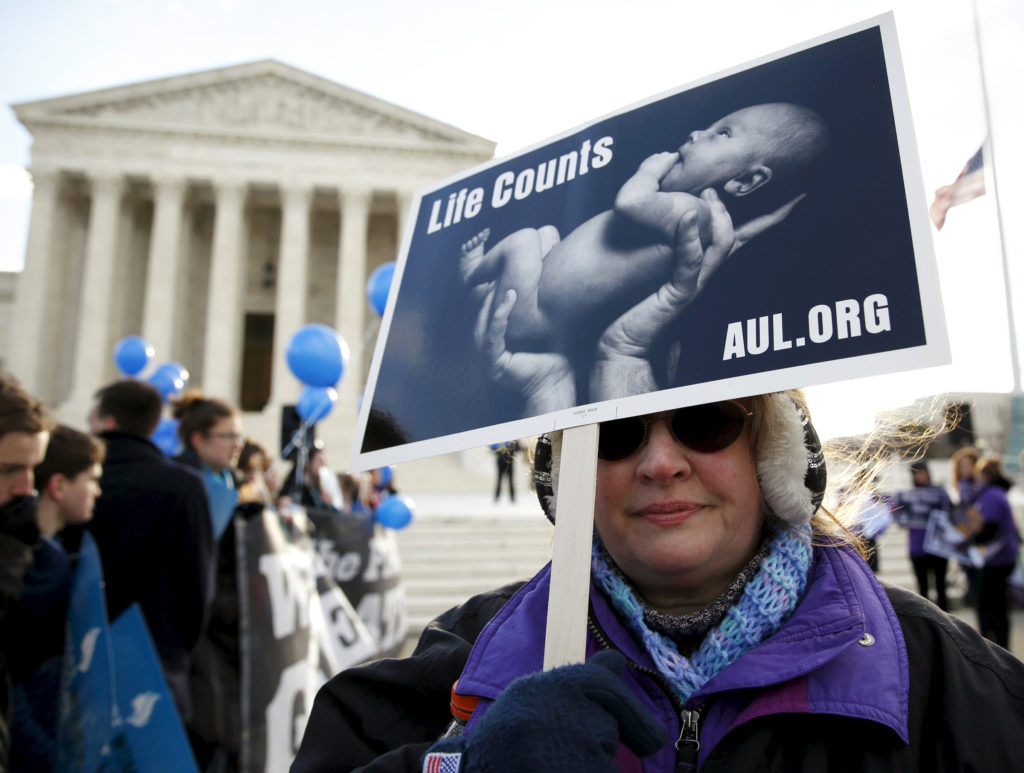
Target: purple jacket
992	503
842	652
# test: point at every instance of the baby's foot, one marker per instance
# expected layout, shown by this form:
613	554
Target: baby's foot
472	255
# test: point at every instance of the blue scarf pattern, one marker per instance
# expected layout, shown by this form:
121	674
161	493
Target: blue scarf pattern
767	601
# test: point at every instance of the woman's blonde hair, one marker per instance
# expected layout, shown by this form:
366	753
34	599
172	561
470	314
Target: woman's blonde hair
967	452
857	464
990	469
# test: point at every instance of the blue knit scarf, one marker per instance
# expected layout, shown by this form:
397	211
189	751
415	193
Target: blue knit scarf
766	603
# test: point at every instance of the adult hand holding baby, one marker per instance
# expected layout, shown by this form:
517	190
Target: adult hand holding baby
623	367
544	379
725	240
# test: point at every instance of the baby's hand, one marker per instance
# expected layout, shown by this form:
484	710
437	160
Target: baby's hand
657	166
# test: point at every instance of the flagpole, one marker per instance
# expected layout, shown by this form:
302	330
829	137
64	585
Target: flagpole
990	167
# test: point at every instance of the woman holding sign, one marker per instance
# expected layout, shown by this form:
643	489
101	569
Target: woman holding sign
733	624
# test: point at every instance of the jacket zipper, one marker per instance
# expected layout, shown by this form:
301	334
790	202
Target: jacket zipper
688	743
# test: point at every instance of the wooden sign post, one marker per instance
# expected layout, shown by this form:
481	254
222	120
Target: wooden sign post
566	634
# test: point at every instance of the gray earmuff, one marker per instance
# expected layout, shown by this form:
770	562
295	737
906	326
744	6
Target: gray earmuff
791	464
543	482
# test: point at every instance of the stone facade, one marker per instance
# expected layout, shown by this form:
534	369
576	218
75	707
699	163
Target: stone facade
215	213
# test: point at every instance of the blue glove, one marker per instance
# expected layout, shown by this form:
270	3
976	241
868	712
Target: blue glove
570	719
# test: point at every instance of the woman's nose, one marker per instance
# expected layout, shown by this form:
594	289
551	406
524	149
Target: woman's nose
663	457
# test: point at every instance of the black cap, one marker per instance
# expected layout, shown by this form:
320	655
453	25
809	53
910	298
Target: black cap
919	465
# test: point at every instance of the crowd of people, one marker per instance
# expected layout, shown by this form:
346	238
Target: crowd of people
985	538
729	601
159	526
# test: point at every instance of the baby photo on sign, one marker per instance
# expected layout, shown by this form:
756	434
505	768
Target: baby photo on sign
755	223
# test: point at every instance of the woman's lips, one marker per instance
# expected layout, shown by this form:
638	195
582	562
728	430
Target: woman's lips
670	513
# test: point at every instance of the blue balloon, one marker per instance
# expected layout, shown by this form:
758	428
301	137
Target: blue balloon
394	512
176	369
379	285
165	437
386	474
315	403
132	355
169	379
317	355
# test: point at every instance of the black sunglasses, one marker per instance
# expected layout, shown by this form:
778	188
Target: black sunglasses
702	428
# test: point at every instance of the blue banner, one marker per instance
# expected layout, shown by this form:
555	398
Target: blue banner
222	501
117	714
149	719
87	682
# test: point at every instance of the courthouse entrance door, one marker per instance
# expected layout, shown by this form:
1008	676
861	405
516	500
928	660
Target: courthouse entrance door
257	361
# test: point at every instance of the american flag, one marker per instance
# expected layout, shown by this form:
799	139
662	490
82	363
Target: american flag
969	184
442	762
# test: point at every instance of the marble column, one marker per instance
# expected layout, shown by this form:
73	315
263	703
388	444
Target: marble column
92	344
222	351
292	273
403	200
350	296
158	322
26	341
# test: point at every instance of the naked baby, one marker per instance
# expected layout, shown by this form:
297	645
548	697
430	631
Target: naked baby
616	258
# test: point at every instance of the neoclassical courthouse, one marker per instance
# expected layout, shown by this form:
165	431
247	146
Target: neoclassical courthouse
214	214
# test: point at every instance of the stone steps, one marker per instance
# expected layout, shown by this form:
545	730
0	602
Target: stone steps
453	550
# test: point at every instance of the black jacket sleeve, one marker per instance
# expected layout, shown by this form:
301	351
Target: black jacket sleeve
194	561
382	716
966	693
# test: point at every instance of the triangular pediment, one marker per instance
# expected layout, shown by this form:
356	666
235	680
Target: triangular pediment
265	96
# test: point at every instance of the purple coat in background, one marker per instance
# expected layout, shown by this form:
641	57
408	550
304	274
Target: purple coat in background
1004	545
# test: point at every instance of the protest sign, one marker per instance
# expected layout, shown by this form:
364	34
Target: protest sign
362	557
297	629
512	276
943	537
910	517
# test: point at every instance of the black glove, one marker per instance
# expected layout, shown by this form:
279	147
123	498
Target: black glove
568	719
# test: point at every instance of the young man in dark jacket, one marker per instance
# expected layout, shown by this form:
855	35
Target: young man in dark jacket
152	526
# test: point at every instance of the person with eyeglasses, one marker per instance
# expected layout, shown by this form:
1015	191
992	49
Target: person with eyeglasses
211	434
733	624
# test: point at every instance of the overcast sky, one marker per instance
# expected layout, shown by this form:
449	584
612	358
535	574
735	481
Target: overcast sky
517	73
